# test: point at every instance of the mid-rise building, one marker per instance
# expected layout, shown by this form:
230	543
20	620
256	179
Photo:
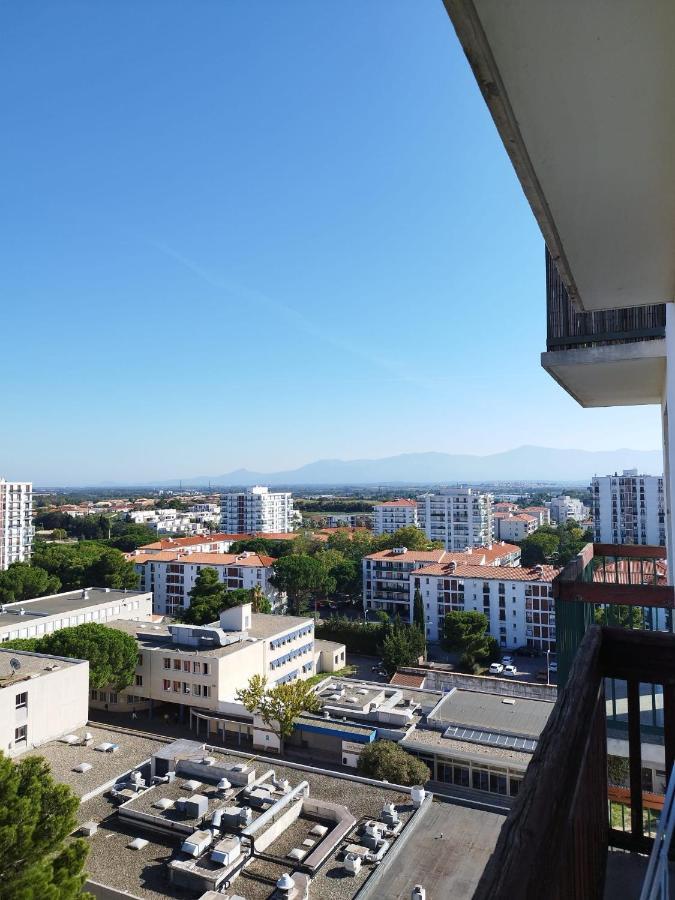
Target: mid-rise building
257	509
518	602
458	517
386	573
41	698
35	618
16	522
392	515
514	526
170	576
541	513
629	509
201	543
563	508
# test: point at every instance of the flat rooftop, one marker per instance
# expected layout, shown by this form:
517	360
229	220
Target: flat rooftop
426	740
31	665
493	713
59	604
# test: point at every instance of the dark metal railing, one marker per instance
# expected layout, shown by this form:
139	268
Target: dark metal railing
569	328
553	846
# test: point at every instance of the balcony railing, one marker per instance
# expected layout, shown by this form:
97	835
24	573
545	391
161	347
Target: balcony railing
554	843
569	328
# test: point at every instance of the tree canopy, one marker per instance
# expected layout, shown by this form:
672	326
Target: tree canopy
467	634
403	645
279	706
301	576
554	545
209	597
36	817
112	654
387	761
21	581
86	564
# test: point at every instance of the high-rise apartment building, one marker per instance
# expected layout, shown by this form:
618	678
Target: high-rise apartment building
394	514
629	509
257	509
563	508
459	517
16	522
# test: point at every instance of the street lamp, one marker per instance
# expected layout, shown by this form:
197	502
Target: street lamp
548	666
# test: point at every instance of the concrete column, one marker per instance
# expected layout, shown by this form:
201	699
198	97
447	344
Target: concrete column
668	426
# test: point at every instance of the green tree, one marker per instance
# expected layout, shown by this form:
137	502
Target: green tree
259	602
619	616
279	706
36	816
403	645
387	761
85	564
418	610
112	570
466	633
59	534
540	547
112	654
207	598
410	536
301	576
21	581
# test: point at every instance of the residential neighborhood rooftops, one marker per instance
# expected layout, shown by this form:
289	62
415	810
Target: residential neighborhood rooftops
492	712
490	573
205	559
30	666
474	555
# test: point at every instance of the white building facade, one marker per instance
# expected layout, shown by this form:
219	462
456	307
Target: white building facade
257	509
387	573
563	508
41	699
392	515
458	517
16	522
170	576
629	509
518	602
514	526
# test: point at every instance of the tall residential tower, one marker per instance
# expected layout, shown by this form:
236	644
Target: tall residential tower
459	517
629	509
256	509
16	522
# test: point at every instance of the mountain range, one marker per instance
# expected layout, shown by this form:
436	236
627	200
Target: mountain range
527	463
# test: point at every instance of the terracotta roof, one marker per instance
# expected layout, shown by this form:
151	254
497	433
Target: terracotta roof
411	681
476	555
490	573
523	517
204	559
174	543
397	503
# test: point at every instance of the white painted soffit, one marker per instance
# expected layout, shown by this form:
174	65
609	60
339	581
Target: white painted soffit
583	95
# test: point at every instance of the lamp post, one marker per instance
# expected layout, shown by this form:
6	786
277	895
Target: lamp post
548	667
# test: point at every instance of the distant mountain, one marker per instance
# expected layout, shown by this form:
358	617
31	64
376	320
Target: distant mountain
526	463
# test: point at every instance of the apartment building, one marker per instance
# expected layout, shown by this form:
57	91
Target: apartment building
33	618
170	521
518	602
458	517
541	513
257	509
170	576
629	509
202	666
514	526
200	543
392	515
563	508
41	698
16	522
386	573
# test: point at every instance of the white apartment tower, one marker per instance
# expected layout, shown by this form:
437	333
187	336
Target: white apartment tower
16	522
459	517
257	509
629	509
394	514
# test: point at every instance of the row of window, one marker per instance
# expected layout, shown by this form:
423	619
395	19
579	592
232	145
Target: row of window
186	665
182	687
292	654
69	622
291	636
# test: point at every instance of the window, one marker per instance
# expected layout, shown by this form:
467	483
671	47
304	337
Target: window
21	733
176	664
139	681
139	659
166	684
186	665
176	687
167	663
197	668
22	700
113	698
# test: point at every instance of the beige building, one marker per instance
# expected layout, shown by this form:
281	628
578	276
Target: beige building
201	667
41	698
34	618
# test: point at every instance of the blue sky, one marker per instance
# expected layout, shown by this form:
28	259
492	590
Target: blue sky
258	233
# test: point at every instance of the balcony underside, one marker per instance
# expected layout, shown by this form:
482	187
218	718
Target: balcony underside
616	375
581	95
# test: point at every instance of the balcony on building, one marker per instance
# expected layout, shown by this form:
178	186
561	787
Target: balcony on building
611	357
574	815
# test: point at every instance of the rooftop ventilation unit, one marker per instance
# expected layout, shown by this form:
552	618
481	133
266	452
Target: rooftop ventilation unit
399	551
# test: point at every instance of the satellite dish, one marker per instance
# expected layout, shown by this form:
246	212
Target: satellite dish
15	664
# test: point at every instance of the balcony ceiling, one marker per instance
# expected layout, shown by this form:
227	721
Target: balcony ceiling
582	96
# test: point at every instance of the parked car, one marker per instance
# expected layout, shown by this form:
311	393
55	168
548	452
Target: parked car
510	671
507	660
496	668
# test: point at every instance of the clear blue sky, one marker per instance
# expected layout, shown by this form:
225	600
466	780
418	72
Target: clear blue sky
259	233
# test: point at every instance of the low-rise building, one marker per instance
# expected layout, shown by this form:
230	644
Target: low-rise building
41	698
201	667
203	543
34	618
386	573
541	513
171	576
392	515
514	526
518	602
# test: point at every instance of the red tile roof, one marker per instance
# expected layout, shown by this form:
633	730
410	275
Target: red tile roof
411	681
490	573
205	559
397	503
